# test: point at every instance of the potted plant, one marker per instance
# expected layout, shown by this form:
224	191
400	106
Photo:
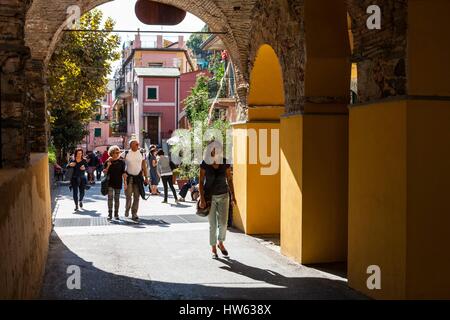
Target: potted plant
186	172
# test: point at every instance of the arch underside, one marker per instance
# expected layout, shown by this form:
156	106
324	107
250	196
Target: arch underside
46	22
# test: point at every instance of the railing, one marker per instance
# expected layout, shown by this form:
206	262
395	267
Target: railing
120	128
115	141
120	89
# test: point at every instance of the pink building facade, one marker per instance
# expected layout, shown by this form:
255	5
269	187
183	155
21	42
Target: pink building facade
99	137
154	80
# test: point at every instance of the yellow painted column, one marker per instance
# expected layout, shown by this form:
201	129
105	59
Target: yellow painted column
398	190
399	172
314	142
257	172
314	187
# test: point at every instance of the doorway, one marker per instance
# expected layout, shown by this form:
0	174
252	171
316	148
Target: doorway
153	129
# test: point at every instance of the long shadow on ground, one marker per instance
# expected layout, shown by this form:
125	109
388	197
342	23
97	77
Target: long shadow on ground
98	284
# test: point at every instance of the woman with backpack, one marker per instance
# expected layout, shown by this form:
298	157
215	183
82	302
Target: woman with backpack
115	170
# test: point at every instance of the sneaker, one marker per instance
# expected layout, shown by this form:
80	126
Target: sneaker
110	217
136	218
165	201
76	209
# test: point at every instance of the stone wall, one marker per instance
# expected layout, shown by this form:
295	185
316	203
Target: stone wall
380	54
278	23
25	225
15	103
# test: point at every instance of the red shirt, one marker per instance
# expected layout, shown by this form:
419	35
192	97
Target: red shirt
105	157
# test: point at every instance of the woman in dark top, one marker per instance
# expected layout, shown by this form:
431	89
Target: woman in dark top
115	169
92	166
78	181
215	186
154	178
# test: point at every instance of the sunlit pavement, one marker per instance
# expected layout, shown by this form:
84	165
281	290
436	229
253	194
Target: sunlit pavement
167	256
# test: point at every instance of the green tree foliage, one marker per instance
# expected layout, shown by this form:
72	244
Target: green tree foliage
77	79
197	103
195	41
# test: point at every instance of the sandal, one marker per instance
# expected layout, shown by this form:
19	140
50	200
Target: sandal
224	252
215	255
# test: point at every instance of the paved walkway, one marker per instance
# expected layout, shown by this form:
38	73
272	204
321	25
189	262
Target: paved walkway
166	256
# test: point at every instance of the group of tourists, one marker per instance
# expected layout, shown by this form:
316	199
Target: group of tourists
128	171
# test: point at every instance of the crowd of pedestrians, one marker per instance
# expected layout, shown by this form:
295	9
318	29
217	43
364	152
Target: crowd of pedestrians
133	171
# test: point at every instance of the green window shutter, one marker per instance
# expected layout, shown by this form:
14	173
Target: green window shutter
98	132
152	93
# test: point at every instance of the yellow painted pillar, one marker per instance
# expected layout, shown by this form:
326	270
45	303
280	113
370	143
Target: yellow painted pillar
257	171
314	143
314	187
399	177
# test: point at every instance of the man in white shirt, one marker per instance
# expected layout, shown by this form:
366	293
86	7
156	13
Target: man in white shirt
136	167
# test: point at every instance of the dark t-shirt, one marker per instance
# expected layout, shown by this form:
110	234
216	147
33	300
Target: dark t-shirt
77	172
116	171
93	161
215	179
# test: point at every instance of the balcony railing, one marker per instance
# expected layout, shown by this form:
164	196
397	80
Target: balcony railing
120	128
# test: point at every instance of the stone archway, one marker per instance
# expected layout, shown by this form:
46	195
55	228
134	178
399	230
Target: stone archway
312	44
46	21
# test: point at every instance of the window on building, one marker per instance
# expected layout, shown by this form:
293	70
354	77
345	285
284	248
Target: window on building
131	114
152	93
98	132
155	64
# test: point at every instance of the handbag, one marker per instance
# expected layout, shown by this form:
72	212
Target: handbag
69	173
105	185
205	211
173	166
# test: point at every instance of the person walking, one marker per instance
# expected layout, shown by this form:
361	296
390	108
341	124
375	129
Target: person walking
166	174
78	180
115	170
92	166
101	165
215	186
153	165
136	169
105	156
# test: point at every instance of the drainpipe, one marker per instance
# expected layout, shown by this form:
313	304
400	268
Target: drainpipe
178	104
1	142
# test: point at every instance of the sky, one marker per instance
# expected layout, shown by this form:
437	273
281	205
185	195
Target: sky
122	12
